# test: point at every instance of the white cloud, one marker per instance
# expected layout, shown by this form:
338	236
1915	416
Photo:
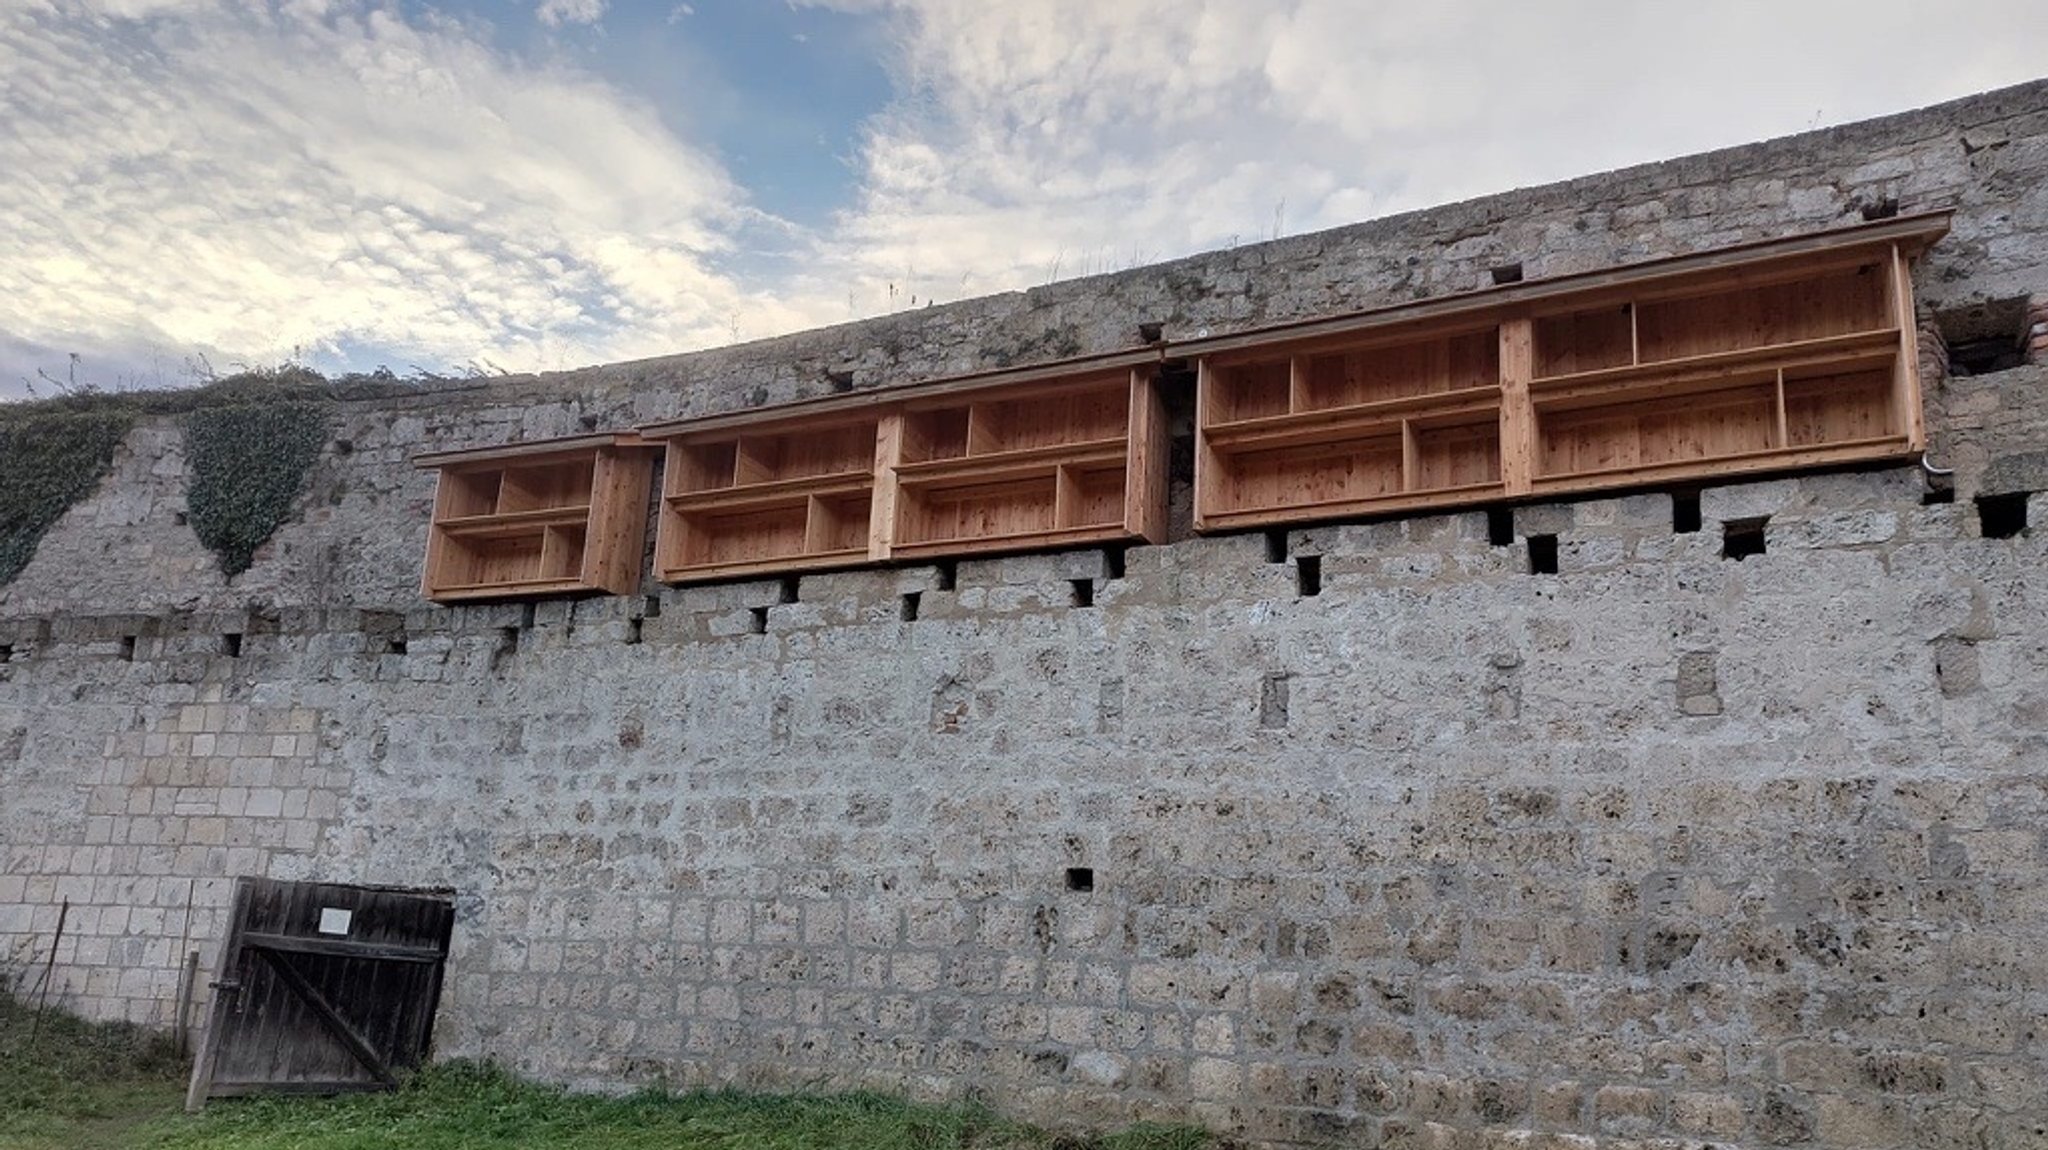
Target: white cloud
555	13
1085	135
240	179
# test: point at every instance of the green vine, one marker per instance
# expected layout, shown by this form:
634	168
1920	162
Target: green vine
48	461
246	464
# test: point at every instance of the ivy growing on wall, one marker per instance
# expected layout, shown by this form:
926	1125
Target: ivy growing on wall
48	461
246	464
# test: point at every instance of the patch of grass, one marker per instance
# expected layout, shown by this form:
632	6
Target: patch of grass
80	1085
460	1106
88	1086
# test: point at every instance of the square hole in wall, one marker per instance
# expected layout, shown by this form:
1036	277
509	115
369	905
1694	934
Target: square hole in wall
1503	274
757	620
908	611
6	652
231	645
1113	562
634	632
1984	337
127	648
1500	526
946	575
1276	546
2002	516
1308	575
1742	538
1081	878
1685	512
790	590
1083	592
1542	554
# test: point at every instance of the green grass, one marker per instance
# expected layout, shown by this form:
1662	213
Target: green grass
469	1107
91	1087
80	1086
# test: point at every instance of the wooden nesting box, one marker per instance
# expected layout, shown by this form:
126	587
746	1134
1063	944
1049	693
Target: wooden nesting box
550	517
1006	462
1765	357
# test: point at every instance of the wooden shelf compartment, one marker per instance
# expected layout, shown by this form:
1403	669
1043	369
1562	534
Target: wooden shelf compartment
1769	358
804	531
549	517
1667	322
1035	466
783	495
1705	371
1748	421
1359	426
1041	462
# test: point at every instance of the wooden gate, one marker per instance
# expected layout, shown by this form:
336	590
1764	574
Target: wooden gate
322	989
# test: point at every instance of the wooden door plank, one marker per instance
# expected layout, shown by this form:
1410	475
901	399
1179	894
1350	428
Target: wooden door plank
203	1065
336	1025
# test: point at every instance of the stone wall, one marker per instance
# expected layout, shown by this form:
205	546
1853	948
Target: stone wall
1664	846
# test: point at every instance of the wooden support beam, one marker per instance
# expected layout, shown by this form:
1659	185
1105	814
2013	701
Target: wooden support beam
882	506
1145	474
1517	414
1906	374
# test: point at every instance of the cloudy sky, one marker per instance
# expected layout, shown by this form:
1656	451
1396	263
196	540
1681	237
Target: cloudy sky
541	184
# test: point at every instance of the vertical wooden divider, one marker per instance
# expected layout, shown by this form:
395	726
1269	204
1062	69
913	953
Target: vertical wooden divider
1145	467
1208	468
437	548
611	557
882	505
1906	373
1517	413
1297	383
1781	428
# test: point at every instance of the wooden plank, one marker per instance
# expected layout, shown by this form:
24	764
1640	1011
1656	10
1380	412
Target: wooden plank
208	1058
1027	460
1517	416
1012	542
1297	383
617	544
515	522
1146	477
771	492
1827	349
1347	508
1774	459
882	511
337	1026
534	451
1906	390
1781	438
340	947
1352	422
721	571
1208	492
